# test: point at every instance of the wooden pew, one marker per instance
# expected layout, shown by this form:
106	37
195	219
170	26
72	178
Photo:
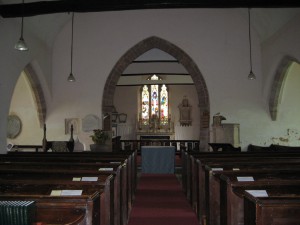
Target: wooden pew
222	204
281	207
75	209
120	193
194	160
272	148
90	157
103	182
207	195
130	156
198	161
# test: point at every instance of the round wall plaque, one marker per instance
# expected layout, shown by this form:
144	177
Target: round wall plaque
14	126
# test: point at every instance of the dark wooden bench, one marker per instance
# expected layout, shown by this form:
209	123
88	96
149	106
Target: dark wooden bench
272	148
50	209
225	207
205	190
193	165
103	182
281	207
121	199
64	161
129	156
195	174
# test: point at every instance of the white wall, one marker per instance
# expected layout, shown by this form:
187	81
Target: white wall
13	62
216	39
23	105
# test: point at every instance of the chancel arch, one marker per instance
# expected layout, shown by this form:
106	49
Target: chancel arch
278	85
183	58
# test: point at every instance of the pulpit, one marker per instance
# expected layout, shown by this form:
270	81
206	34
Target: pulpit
226	133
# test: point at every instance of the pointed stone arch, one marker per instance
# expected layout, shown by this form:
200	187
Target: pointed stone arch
183	58
278	83
38	94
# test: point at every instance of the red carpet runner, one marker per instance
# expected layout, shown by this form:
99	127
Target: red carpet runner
160	200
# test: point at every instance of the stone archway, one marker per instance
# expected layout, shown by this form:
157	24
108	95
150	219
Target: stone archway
183	58
277	85
38	94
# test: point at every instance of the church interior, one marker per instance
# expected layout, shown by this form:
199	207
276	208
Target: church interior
201	54
117	86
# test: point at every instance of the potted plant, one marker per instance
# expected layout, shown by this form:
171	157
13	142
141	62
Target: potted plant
99	138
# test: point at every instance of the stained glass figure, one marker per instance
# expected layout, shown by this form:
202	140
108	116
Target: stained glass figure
145	105
164	107
154	100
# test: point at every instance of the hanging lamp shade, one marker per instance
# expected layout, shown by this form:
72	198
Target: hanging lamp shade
21	45
71	77
251	75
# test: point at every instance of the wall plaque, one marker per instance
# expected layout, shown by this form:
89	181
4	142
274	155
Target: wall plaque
14	126
90	123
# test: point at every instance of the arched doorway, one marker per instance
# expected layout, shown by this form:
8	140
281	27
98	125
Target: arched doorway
183	58
28	109
277	85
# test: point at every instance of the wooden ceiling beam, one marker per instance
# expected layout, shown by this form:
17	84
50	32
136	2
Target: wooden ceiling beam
50	7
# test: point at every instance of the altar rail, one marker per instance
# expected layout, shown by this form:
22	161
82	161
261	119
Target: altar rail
179	144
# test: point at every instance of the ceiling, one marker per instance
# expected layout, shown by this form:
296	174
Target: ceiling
13	8
267	18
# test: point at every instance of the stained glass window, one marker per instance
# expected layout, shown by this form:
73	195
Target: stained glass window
155	102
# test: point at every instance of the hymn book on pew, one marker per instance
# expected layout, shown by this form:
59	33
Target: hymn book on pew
17	212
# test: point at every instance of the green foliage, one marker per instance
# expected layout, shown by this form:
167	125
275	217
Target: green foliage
99	136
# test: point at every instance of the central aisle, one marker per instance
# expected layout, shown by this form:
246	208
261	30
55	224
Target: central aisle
160	200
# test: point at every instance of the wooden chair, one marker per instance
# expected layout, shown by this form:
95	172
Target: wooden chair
58	146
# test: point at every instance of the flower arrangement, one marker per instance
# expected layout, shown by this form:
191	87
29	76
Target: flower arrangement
99	136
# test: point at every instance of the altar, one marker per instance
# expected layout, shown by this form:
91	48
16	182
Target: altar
158	159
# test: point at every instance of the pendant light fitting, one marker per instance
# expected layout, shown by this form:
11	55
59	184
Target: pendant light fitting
21	45
71	77
251	75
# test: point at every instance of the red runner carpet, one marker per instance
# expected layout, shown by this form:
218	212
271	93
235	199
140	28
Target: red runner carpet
160	200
